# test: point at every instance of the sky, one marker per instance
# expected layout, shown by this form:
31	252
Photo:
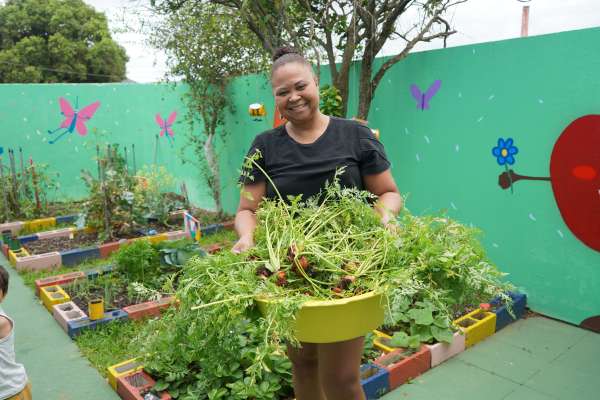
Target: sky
476	21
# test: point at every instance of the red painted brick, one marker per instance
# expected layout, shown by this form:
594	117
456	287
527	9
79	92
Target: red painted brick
149	308
58	280
108	248
228	224
131	387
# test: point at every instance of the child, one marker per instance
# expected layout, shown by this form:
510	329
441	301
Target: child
13	379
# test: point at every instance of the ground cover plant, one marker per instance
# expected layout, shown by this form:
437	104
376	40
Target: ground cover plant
321	249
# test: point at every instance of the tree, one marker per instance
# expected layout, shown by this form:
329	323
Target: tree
344	31
57	41
208	45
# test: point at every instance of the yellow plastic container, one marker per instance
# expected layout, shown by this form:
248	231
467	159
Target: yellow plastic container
476	325
336	320
53	295
121	369
96	309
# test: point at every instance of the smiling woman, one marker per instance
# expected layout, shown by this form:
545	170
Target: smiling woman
296	159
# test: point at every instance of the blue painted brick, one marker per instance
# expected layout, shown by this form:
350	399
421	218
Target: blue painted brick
211	229
95	272
28	238
65	219
503	318
377	384
76	327
77	256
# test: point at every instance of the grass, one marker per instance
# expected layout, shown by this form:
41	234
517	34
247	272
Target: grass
226	236
111	344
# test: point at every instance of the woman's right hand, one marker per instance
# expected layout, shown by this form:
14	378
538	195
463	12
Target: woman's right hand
245	243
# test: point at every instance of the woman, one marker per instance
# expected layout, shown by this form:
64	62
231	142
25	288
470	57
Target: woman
300	157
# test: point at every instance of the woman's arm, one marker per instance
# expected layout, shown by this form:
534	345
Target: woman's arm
389	203
245	218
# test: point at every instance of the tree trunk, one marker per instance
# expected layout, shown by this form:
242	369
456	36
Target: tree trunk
214	179
366	89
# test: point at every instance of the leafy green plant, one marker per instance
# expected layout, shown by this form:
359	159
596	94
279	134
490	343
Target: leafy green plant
331	101
138	261
150	195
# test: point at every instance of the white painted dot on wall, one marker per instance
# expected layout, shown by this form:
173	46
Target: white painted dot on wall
491	97
417	157
532	217
495	245
457	148
453	205
480	118
562	236
427	139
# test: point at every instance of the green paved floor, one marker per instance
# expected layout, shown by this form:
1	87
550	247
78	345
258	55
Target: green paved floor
55	366
532	359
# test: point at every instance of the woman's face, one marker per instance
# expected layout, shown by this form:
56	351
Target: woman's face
296	92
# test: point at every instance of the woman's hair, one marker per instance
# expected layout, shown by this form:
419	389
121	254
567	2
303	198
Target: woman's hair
3	280
285	55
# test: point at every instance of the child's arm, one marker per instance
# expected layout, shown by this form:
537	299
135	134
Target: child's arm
5	327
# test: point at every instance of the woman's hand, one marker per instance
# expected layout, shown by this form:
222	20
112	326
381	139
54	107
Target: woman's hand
245	243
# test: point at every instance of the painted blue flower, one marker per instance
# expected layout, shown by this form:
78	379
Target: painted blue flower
505	152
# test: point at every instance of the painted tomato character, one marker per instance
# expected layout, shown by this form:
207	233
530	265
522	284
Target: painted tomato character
575	178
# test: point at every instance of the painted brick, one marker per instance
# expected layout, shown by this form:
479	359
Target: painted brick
124	368
28	238
95	272
503	317
213	248
5	250
39	223
157	238
149	308
67	312
58	280
228	224
63	232
52	295
211	229
374	381
77	256
39	262
13	255
133	386
175	235
76	327
476	325
65	219
108	248
403	368
14	227
441	352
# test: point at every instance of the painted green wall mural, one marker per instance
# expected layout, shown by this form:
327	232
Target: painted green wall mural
440	138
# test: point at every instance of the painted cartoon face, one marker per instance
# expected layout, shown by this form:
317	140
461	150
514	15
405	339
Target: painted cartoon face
575	173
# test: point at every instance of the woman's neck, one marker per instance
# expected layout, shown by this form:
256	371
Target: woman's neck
308	131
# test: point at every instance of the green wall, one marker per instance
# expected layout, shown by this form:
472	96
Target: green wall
126	116
526	89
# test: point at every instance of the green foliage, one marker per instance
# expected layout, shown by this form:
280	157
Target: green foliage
331	101
138	261
57	41
110	344
149	199
25	194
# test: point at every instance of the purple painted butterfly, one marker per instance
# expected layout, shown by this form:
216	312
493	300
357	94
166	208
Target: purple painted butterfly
423	98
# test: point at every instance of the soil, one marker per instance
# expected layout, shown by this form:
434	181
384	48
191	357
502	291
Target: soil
479	316
119	298
81	240
461	310
61	243
467	322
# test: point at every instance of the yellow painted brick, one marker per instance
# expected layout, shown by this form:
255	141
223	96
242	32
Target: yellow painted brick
157	238
53	295
122	369
479	328
35	224
13	255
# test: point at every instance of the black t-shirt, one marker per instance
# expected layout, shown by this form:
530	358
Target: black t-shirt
297	168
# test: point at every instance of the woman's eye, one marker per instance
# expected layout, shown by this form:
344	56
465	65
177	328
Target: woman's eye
282	93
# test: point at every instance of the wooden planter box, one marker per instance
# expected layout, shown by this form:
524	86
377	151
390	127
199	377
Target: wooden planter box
476	325
136	385
374	381
403	368
441	352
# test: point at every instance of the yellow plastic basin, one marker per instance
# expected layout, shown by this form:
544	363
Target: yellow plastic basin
335	320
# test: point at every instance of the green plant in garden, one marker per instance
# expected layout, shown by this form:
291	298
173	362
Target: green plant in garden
150	200
138	261
331	101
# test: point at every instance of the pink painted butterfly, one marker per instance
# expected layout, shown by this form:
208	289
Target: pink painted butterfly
74	119
423	98
165	126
